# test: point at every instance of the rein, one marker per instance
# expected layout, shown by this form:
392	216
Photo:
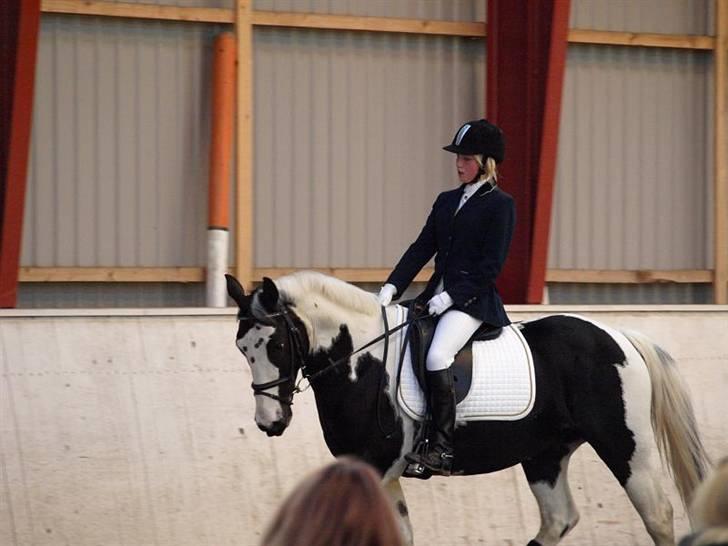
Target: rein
295	341
335	364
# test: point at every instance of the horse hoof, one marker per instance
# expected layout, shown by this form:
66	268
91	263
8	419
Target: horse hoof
533	543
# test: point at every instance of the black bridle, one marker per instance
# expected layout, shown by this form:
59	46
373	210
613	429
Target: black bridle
294	340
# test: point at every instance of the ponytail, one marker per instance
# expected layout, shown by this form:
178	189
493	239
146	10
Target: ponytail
487	169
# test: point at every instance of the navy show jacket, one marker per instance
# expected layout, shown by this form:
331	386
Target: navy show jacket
470	248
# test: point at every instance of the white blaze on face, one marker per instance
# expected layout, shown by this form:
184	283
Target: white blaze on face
253	346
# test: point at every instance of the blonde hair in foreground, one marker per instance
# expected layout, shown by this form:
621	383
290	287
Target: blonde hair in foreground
710	507
342	504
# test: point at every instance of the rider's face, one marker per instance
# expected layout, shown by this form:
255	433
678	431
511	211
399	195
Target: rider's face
467	167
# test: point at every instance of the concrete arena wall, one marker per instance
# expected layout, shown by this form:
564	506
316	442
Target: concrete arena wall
137	428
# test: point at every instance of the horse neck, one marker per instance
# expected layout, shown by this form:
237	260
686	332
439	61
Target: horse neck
324	320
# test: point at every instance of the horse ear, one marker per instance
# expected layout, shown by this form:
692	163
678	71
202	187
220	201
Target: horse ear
235	290
269	294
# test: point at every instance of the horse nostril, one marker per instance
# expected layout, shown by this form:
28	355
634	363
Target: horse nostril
274	429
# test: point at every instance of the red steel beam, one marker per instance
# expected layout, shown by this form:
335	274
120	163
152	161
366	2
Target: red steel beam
525	62
19	20
556	65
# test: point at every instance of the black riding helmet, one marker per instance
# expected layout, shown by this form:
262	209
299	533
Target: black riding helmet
478	137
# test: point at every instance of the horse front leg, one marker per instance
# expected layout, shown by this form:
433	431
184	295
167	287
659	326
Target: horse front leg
395	493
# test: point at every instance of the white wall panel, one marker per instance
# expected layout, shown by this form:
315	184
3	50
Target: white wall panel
152	441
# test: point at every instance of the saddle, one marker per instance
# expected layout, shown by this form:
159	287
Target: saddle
420	337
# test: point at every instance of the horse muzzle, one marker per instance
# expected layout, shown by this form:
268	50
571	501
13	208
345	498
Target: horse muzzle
274	429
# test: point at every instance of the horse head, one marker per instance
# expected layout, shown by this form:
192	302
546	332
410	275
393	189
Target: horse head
272	339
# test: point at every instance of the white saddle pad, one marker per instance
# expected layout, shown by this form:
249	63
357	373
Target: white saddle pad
503	386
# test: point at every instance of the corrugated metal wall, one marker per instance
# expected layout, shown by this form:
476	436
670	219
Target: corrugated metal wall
446	10
348	129
619	294
659	16
119	147
453	10
635	162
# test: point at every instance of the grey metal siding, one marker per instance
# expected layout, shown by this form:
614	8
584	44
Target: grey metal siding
634	170
348	135
654	16
618	294
445	10
118	172
75	295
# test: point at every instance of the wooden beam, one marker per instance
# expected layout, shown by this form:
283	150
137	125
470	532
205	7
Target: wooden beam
112	274
244	239
475	29
139	11
640	39
720	210
374	275
641	276
368	24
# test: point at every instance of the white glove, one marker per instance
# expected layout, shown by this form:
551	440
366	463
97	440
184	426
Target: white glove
439	304
386	293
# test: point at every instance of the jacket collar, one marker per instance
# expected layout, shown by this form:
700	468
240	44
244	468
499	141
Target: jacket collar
484	189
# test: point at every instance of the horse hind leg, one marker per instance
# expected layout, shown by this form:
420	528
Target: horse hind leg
638	476
624	439
643	489
547	476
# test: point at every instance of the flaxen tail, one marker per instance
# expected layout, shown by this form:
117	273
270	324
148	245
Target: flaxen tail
673	419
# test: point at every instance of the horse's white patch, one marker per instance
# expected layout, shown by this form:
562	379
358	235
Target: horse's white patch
643	485
636	394
253	346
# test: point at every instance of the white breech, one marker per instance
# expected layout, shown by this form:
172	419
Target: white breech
453	331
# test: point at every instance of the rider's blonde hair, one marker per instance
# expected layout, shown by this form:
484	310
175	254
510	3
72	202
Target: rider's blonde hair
488	166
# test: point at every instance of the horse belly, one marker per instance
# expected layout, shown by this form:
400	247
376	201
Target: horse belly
488	446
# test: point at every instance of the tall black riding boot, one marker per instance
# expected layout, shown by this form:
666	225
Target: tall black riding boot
439	455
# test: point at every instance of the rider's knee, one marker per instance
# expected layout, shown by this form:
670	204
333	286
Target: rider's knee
438	359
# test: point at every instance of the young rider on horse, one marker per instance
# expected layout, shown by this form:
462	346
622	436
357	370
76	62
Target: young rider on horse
468	231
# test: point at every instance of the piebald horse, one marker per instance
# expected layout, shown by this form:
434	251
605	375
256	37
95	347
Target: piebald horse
617	391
